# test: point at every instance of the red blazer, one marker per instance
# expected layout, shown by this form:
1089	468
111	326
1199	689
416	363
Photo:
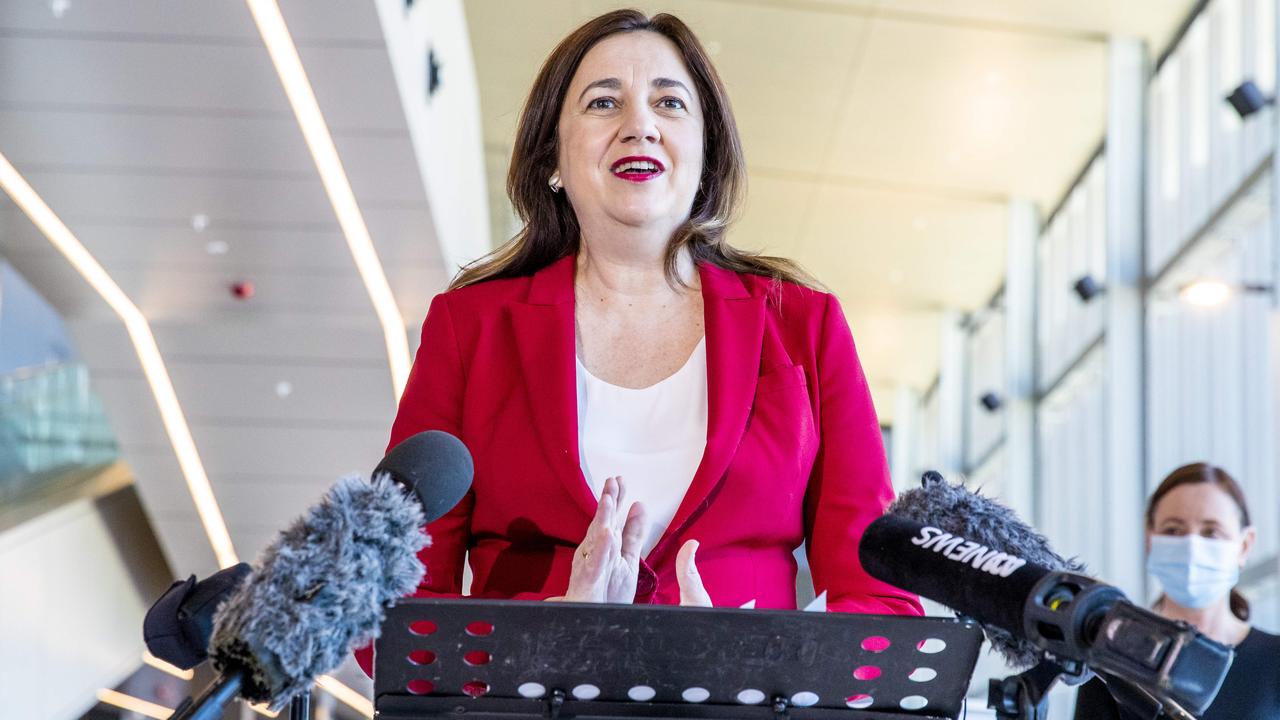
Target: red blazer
793	452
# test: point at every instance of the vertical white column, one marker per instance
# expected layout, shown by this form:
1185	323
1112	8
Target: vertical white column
906	432
1019	359
951	395
1274	248
1127	76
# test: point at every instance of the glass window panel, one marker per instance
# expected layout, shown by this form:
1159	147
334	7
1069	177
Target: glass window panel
1265	45
1197	68
1170	177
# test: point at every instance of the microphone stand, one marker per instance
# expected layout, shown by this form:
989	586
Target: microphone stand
211	703
1024	696
300	707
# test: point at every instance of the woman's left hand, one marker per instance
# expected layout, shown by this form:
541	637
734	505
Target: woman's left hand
692	591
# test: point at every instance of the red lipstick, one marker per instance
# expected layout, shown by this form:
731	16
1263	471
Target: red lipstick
637	168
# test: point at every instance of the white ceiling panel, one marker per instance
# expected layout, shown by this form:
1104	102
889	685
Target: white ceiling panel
166	492
972	110
381	167
354	86
278	338
165	293
895	347
273	450
62	71
510	41
339	23
130	17
342	23
271	502
129	405
296	200
248	247
886	249
103	344
124	139
185	545
228	393
771	219
1153	20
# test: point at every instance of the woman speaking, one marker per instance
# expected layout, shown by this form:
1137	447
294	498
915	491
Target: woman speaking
633	389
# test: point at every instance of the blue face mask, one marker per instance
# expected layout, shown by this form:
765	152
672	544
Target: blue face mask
1194	571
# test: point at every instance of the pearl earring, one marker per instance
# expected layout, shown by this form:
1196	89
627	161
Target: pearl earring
554	182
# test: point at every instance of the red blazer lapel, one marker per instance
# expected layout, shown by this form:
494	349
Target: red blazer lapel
734	322
543	329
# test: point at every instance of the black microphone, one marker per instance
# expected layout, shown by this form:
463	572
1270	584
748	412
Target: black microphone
177	627
322	587
993	531
975	556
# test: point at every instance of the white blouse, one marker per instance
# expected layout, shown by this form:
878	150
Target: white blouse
652	437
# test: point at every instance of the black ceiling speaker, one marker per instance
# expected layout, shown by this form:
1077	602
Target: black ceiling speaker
433	73
1248	99
1087	288
991	401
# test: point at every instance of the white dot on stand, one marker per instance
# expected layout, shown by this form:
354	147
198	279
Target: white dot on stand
913	702
642	693
695	694
750	696
586	692
804	699
532	690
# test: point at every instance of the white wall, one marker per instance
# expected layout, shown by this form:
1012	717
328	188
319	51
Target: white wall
1199	150
985	429
927	452
76	583
1073	244
445	128
1072	469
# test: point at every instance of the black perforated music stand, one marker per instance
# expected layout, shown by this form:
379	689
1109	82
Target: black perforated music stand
486	660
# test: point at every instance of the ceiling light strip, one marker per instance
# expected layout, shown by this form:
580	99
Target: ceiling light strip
133	704
144	343
284	55
350	697
163	666
263	710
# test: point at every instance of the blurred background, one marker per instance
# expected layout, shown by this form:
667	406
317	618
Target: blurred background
222	222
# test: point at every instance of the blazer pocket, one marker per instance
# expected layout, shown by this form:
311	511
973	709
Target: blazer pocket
781	379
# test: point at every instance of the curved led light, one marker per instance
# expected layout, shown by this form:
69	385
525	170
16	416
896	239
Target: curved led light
284	55
144	344
133	704
350	697
163	666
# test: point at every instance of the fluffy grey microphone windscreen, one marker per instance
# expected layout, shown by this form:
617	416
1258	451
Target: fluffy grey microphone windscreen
321	589
959	511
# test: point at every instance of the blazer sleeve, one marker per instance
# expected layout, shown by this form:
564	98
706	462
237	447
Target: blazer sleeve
432	400
850	483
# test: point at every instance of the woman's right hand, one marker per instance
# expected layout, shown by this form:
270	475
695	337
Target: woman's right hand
606	565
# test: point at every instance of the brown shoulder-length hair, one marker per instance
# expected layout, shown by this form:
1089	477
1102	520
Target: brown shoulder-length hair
551	229
1196	473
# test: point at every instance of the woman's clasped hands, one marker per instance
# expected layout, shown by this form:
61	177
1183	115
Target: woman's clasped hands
606	565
